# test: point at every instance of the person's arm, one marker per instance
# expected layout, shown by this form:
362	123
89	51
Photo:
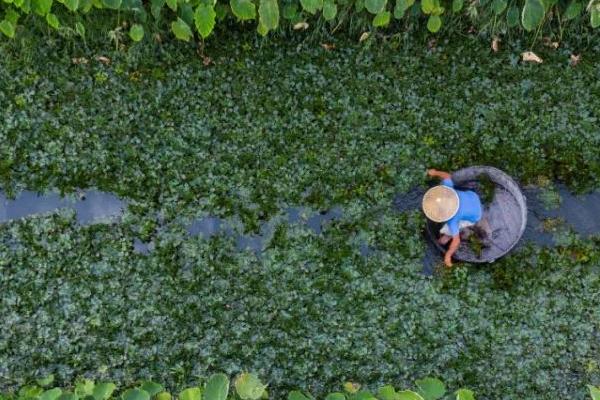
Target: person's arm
451	250
439	174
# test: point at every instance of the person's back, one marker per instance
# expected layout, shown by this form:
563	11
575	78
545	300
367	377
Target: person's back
469	208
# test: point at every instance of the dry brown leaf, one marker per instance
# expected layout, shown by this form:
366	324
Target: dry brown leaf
549	43
495	44
103	60
157	38
328	46
79	60
207	61
530	56
575	58
363	37
301	26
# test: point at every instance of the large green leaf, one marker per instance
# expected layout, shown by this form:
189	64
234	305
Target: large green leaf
427	6
80	29
136	33
329	10
192	393
42	7
51	394
594	392
72	5
114	4
431	388
152	388
243	9
268	12
401	7
172	4
311	6
434	23
163	396
296	395
382	19
532	14
181	30
103	391
387	393
499	6
217	387
512	16
595	16
409	395
375	6
464	394
573	10
336	396
135	394
249	387
7	28
457	5
204	19
52	20
156	7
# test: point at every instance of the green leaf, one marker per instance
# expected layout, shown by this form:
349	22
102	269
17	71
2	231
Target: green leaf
80	29
217	387
103	391
573	10
13	17
296	395
156	7
387	392
434	23
136	33
7	28
249	387
51	394
290	11
409	395
401	7
47	381
595	16
335	396
457	5
68	396
431	388
204	19
152	388
113	4
329	10
512	17
243	9
268	12
499	6
163	396
181	30
427	6
464	394
135	394
42	7
382	19
311	6
192	393
375	6
172	4
72	5
594	392
532	14
86	386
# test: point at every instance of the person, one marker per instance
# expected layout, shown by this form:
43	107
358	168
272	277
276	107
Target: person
459	209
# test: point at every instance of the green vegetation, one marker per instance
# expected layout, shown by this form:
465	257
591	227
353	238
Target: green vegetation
260	127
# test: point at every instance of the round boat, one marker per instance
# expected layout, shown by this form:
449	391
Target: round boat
506	215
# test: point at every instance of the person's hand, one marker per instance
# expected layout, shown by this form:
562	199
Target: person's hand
448	261
431	172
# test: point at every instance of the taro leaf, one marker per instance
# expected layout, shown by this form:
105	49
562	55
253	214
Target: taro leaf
512	16
181	30
573	10
42	7
243	9
13	17
103	391
136	33
427	6
156	7
532	14
387	393
434	23
51	394
296	395
359	5
86	386
52	20
268	12
382	19
72	5
152	388
335	396
172	4
311	6
431	388
363	395
594	392
114	4
595	16
68	396
249	387
329	10
499	6
192	393
135	394
290	11
80	29
409	395
204	18
85	5
464	394
401	7
163	396
217	387
7	28
457	5
375	6
262	29
47	381
30	391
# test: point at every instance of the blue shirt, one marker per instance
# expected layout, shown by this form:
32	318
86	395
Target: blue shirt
469	208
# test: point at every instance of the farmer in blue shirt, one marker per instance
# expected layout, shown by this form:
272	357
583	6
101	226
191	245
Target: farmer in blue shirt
459	209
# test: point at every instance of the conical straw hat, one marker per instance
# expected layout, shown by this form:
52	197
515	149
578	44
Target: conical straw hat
440	203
